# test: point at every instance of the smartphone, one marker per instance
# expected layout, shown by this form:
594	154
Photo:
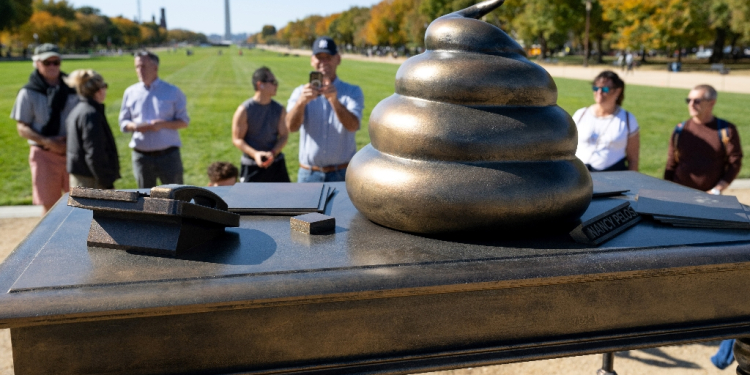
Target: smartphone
316	80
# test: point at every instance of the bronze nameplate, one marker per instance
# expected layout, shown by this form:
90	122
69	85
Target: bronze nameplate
615	219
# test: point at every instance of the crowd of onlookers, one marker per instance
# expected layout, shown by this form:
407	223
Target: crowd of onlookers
704	151
71	144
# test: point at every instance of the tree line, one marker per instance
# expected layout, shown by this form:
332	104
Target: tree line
29	22
552	25
636	25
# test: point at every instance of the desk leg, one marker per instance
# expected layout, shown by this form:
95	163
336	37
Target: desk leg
742	355
608	364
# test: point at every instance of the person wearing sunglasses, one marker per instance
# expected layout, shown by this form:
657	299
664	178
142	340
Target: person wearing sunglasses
608	135
92	153
40	110
704	151
259	131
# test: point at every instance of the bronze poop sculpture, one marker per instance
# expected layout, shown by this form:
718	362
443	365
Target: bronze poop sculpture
472	140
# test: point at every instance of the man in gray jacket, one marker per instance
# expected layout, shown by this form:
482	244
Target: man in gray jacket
40	110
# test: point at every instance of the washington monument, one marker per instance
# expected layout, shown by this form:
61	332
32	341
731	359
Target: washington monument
227	28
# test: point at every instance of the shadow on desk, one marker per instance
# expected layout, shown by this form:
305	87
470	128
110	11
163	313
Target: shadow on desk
227	249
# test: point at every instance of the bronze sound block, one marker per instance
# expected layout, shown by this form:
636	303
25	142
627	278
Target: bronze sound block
472	140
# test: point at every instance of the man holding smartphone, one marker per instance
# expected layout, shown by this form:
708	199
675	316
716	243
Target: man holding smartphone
326	117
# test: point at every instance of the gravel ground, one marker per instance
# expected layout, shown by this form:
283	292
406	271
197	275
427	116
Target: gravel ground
13	231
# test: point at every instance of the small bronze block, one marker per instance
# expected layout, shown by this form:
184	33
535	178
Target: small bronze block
313	223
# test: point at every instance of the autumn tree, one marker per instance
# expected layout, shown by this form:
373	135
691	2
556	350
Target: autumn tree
14	13
740	22
267	35
48	28
152	34
727	20
387	24
323	27
268	30
414	25
87	10
346	29
677	24
60	8
59	22
630	20
299	33
505	15
130	31
90	29
546	22
432	9
599	28
673	24
180	35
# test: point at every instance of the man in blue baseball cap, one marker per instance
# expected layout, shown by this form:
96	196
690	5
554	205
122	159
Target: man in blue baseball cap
326	117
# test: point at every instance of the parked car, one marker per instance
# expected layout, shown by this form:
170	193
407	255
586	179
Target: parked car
703	54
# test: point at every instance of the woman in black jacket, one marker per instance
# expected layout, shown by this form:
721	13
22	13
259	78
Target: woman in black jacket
92	154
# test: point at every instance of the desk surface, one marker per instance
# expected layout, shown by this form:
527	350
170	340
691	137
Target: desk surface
53	267
402	295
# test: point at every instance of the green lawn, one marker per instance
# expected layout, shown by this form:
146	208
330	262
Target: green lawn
216	84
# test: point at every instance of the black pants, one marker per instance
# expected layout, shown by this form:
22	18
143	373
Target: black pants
276	172
619	166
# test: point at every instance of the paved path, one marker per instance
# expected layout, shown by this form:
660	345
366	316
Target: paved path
11	212
656	78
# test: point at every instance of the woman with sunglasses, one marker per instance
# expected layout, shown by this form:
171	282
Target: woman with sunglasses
259	131
608	138
92	153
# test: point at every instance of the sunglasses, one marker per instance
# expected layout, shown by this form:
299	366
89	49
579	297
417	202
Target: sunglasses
273	82
51	62
605	89
697	101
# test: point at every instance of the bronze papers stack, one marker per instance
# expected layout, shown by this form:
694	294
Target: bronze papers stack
695	209
271	198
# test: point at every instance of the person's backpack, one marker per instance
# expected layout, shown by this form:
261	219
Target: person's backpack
722	128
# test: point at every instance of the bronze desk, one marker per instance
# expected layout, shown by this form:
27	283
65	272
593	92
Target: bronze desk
366	299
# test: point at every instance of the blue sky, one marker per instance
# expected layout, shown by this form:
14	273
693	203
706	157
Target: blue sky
207	16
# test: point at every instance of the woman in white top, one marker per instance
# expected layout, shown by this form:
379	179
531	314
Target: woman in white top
608	138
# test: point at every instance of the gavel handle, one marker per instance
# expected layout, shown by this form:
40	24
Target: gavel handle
187	193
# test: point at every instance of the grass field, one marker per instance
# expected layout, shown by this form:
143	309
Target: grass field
216	84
